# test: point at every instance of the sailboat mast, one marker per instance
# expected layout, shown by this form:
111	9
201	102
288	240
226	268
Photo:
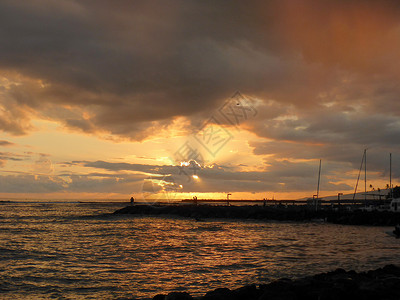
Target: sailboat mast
319	178
358	178
390	176
365	176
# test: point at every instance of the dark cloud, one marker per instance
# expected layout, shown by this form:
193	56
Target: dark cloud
325	74
9	156
30	184
4	143
12	156
120	184
279	176
110	166
93	183
134	66
334	136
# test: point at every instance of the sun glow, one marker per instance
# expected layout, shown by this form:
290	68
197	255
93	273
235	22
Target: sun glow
189	163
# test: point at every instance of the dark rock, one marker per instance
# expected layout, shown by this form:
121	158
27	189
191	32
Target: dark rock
383	284
278	289
338	271
392	283
218	294
302	287
290	213
178	296
392	269
280	284
248	292
282	295
352	273
159	297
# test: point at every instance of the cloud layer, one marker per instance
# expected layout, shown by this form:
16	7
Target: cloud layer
127	65
324	75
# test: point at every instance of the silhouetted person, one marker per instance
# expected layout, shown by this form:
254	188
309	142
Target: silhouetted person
265	202
195	200
132	200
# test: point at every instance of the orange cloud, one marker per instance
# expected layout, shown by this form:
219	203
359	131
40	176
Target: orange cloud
356	35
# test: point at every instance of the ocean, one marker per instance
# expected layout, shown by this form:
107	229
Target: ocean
77	251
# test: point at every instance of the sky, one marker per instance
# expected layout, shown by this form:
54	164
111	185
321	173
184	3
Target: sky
175	99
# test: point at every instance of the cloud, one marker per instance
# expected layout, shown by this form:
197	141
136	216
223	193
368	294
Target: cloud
355	35
29	184
43	165
70	183
333	134
324	75
111	166
4	143
279	176
131	68
120	184
10	156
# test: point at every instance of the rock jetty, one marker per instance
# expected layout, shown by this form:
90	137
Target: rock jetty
289	213
382	284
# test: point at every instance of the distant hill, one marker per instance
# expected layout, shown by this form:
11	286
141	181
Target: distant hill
371	195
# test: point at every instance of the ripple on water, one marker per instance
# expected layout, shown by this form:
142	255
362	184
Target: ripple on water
67	251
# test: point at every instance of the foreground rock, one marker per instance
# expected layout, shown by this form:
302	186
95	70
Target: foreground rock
290	213
381	284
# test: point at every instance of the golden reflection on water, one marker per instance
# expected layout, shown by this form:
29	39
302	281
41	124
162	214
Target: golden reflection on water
53	251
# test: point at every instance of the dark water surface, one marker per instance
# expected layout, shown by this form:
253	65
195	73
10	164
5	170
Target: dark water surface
70	251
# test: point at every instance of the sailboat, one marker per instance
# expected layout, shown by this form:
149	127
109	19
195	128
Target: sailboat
363	163
395	203
394	192
392	202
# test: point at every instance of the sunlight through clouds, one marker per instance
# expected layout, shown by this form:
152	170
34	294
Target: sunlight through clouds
99	99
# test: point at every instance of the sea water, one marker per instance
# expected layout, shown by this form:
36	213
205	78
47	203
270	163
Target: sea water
74	251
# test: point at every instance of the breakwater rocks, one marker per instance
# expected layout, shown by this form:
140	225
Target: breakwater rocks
291	213
381	284
358	217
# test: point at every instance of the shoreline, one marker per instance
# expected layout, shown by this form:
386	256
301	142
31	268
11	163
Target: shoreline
291	213
382	283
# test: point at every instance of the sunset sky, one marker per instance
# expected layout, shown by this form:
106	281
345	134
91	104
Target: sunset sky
172	99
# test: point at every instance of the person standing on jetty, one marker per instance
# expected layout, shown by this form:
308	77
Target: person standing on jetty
132	200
